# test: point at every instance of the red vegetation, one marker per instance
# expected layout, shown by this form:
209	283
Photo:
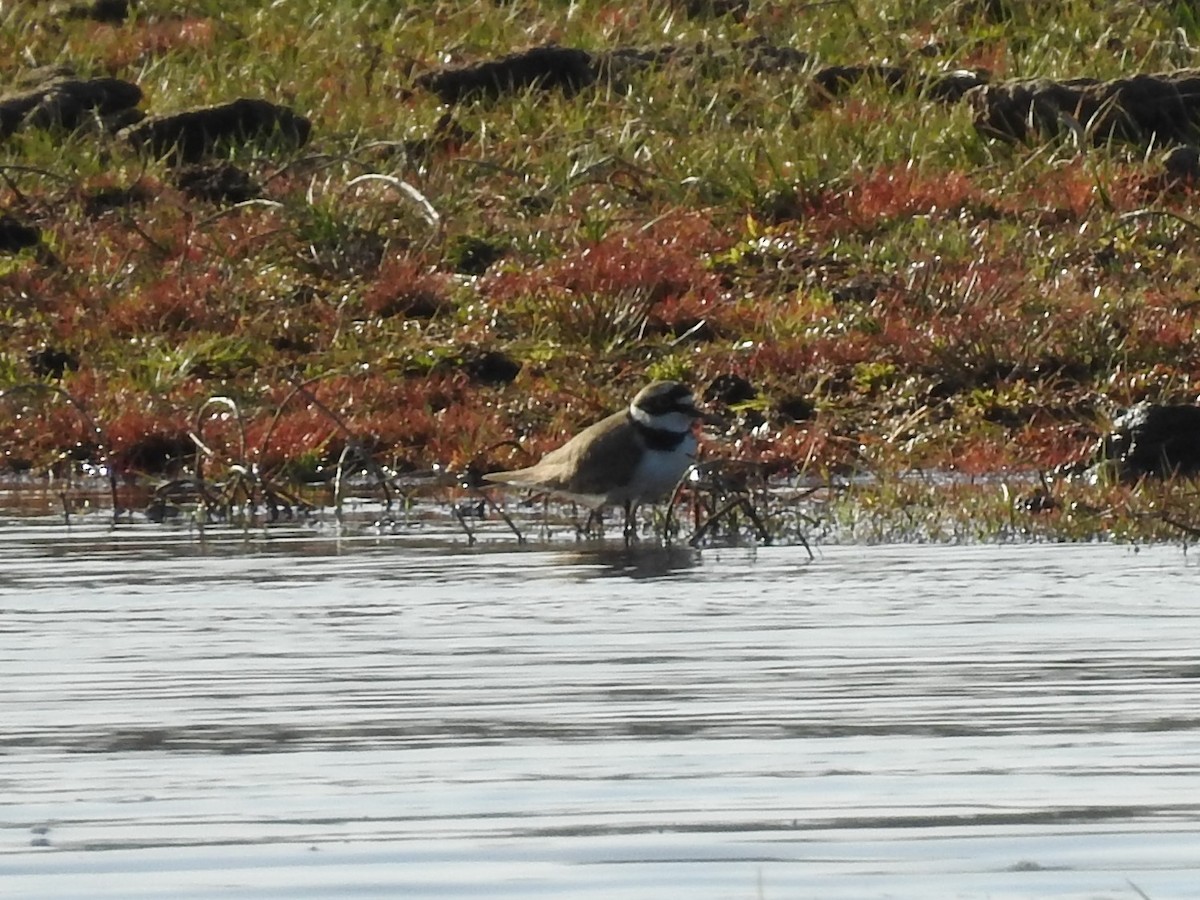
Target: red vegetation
121	48
871	199
659	262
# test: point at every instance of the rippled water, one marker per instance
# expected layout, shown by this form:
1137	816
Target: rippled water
298	715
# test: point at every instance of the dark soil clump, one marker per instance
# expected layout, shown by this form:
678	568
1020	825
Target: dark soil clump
103	200
56	99
796	408
542	68
415	304
729	389
490	367
157	454
471	255
1164	107
948	87
217	183
16	236
108	12
189	136
570	69
1182	165
52	362
1156	440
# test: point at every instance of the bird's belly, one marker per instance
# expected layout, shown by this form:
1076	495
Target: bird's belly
657	473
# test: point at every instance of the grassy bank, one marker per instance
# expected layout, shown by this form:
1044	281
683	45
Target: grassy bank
900	291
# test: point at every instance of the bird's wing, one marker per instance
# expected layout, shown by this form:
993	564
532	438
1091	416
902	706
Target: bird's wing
596	459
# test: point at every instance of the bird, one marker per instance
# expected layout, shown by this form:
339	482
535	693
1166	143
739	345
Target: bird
634	456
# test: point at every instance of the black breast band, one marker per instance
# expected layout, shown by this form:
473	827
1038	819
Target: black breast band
658	438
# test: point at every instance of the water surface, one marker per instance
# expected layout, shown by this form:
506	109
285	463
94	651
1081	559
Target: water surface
295	714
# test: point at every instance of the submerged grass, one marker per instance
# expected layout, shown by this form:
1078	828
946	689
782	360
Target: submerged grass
903	293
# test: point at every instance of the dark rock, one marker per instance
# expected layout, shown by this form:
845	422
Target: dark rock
52	362
217	183
1155	439
490	367
542	68
63	101
191	135
1164	108
729	389
15	236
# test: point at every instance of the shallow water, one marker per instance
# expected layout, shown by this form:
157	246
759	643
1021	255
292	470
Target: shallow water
302	715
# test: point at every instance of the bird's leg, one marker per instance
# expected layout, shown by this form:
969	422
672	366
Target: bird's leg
630	522
594	516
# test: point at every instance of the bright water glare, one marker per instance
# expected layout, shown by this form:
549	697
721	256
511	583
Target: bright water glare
295	714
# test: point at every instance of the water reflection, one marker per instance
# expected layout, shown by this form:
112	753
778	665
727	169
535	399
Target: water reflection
640	561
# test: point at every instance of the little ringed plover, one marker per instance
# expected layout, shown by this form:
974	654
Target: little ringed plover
633	456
